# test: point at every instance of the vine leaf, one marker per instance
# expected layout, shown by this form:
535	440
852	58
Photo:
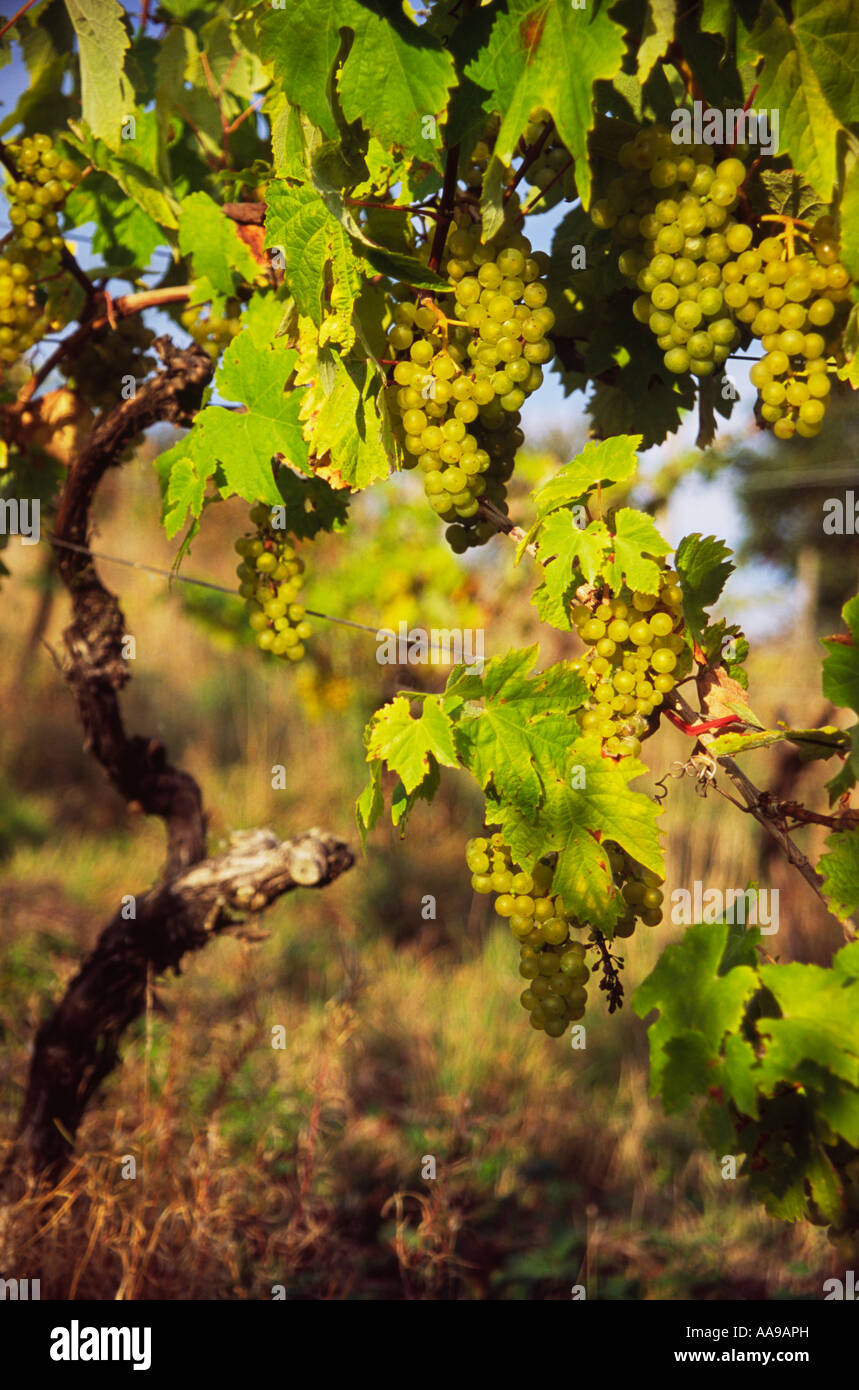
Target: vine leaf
548	55
140	178
657	35
841	666
346	419
697	1008
299	224
523	726
563	549
609	461
550	789
841	686
809	77
407	744
107	98
217	252
635	540
370	806
812	743
255	371
839	867
703	566
393	75
819	1008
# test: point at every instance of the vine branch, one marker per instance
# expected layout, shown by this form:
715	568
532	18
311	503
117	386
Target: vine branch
759	805
124	307
78	1046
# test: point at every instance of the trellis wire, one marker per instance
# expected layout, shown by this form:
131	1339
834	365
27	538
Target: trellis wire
187	579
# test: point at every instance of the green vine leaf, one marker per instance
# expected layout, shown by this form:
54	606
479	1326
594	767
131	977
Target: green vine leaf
839	867
217	251
406	744
703	566
548	55
107	99
809	76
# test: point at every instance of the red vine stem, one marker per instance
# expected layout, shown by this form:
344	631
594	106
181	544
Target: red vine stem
14	20
448	195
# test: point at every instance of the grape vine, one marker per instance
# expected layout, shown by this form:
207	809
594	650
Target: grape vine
377	302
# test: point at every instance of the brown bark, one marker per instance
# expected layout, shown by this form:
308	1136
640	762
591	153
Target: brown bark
78	1046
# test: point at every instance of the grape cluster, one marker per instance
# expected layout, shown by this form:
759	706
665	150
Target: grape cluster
270	581
551	172
465	367
640	888
214	332
673	211
34	199
552	956
46	178
793	304
474	165
99	372
635	642
706	288
550	961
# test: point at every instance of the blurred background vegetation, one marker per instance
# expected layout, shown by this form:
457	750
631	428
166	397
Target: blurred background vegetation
302	1167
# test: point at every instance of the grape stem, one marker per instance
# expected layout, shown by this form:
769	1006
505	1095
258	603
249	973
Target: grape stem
746	105
788	221
531	156
124	307
489	512
695	730
414	209
446	207
789	224
543	191
14	20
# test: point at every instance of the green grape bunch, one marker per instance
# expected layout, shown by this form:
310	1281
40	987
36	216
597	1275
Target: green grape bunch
214	332
797	305
46	177
706	288
672	212
464	367
30	253
636	649
553	943
270	580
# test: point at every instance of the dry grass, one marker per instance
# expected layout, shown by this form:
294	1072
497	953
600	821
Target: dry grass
302	1166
